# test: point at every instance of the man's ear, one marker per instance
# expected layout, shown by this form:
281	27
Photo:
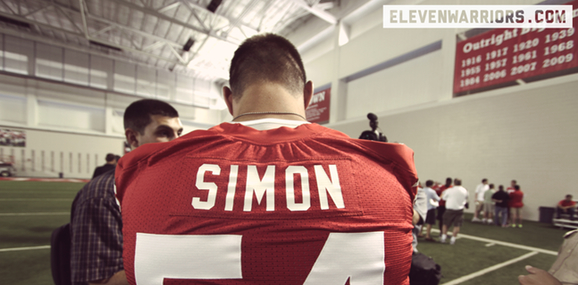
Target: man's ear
228	96
307	93
131	137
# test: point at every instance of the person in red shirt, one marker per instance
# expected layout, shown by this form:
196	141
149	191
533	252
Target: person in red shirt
268	198
442	203
516	205
566	206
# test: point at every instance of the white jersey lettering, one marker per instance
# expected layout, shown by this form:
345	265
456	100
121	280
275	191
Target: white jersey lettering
260	187
202	185
290	188
326	185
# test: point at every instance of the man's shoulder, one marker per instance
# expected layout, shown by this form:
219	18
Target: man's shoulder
101	186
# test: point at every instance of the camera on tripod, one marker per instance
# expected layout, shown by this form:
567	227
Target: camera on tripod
374	134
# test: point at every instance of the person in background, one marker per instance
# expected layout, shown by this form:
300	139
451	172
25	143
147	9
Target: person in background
96	225
432	200
479	196
267	198
510	190
516	205
419	214
566	206
456	200
442	204
116	158
110	164
501	199
489	205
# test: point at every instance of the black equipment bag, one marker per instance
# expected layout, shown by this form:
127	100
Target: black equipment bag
424	271
60	255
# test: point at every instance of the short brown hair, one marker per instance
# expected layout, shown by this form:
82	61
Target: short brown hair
138	114
267	58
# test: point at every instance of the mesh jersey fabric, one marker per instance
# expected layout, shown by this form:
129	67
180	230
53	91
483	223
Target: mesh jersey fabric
278	191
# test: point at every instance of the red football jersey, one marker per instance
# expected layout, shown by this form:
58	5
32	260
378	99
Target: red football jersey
441	190
233	205
516	198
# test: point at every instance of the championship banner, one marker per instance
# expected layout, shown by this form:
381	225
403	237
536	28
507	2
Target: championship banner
318	110
502	56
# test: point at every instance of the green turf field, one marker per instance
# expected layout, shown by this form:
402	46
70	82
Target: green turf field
30	211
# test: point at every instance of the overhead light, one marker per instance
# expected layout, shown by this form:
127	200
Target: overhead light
189	44
214	5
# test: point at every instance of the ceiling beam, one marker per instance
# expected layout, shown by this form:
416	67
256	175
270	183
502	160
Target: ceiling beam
172	20
317	12
234	22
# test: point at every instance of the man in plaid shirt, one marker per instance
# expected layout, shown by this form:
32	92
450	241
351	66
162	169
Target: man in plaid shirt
96	224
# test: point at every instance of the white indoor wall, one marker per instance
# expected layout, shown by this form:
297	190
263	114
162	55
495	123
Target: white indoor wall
80	124
49	153
525	132
374	92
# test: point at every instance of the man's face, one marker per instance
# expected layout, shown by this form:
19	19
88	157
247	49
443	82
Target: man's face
568	198
513	183
160	129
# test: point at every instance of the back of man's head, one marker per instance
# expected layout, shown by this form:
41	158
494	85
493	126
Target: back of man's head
267	58
429	183
457	182
138	114
109	157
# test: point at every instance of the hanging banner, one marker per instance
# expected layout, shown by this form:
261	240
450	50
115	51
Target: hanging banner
318	110
501	56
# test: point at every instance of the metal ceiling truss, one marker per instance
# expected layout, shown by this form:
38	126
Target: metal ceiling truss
154	32
82	25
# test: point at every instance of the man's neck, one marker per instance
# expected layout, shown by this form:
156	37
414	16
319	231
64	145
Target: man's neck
268	100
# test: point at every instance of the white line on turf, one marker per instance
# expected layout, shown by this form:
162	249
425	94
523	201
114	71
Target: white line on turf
490	269
490	244
36	214
24	248
487	240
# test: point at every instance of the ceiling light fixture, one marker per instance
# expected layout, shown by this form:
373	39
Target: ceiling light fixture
189	44
214	5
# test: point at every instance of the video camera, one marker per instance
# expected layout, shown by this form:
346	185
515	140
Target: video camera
373	135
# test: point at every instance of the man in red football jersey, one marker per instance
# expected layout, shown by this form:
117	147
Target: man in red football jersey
268	198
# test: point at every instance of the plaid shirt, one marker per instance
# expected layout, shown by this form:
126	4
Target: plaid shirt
96	227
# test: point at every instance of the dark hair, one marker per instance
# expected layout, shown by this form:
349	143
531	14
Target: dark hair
484	180
491	185
501	187
266	58
138	114
517	187
568	196
117	157
448	181
429	183
457	182
109	157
